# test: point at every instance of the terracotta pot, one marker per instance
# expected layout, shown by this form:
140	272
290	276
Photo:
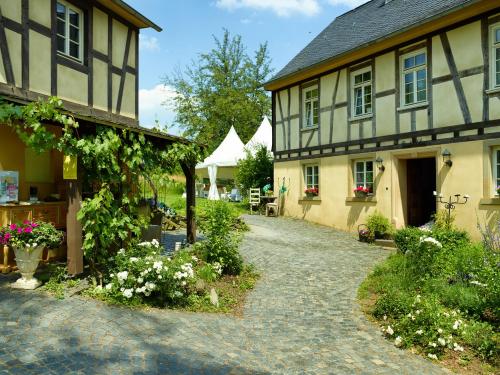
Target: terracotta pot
27	263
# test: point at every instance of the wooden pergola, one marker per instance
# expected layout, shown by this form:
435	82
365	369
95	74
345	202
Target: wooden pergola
74	196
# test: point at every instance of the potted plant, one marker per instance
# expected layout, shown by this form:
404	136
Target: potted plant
361	192
28	241
311	192
363	233
498	190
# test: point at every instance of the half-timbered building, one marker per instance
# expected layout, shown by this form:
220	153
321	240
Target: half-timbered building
86	52
401	97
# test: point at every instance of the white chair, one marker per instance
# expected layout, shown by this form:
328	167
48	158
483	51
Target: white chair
254	198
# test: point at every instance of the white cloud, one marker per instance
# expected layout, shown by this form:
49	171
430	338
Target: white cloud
148	43
282	8
348	3
154	105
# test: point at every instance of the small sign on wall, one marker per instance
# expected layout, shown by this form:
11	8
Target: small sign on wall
9	186
70	169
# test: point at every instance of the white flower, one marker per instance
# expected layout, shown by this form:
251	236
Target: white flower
417	312
419	332
390	331
433	344
441	341
122	289
159	277
178	294
456	324
150	286
140	280
98	288
127	293
155	243
218	269
440	330
122	276
432	356
121	251
109	286
194	258
398	341
457	347
158	265
475	282
134	259
418	298
385	317
183	283
431	241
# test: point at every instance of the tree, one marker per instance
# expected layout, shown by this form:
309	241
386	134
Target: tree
255	171
223	88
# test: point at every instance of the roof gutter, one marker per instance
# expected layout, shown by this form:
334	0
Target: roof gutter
274	84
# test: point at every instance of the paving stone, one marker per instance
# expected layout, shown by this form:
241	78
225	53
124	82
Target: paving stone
302	318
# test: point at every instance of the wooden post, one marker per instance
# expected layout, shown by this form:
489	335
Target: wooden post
189	172
74	227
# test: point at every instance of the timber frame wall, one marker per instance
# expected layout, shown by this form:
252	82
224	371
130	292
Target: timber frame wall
121	69
292	142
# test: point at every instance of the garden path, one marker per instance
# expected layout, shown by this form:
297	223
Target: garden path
302	318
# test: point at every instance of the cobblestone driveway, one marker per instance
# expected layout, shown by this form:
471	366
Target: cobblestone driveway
302	318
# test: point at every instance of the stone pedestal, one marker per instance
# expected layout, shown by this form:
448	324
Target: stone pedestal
27	263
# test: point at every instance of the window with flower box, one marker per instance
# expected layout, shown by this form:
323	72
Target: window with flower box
311	180
496	171
363	175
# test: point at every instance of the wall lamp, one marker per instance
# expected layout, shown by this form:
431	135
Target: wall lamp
380	164
447	157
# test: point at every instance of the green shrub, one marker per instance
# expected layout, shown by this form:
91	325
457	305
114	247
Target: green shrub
255	171
483	339
442	221
222	241
408	239
451	239
379	226
395	303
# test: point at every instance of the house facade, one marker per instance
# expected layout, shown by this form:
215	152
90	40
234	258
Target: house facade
402	99
86	52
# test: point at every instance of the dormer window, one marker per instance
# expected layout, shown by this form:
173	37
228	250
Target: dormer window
69	30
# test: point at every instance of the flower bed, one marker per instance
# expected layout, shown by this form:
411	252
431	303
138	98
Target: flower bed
440	295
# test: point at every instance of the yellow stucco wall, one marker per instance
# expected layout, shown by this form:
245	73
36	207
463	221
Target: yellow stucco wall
39	66
100	38
100	85
14	44
40	12
77	91
334	206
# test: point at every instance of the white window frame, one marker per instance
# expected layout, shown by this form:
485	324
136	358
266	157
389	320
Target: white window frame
306	124
494	46
315	177
414	71
66	37
355	172
362	86
495	162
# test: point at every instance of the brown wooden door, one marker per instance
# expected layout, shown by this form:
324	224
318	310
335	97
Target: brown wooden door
421	183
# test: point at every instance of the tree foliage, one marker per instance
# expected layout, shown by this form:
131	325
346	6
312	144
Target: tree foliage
223	88
255	171
113	161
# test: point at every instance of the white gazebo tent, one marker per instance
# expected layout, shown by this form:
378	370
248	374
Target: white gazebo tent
263	136
222	162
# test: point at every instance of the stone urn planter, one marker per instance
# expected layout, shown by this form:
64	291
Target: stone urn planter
27	259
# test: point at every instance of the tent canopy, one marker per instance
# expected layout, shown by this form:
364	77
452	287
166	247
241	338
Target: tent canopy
227	154
263	136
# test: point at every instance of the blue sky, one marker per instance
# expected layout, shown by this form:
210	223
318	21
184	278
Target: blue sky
188	26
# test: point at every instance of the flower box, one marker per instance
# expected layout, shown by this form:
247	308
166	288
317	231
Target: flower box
311	192
361	192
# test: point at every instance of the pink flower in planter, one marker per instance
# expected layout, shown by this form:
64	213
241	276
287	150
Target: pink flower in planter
34	225
12	226
28	230
26	222
6	236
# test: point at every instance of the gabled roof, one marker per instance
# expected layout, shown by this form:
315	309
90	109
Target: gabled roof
130	14
367	24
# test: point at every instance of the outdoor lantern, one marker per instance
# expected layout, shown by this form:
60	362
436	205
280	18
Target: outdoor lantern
447	157
380	163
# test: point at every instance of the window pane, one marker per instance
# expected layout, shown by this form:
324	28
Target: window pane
421	74
74	50
61	27
421	95
369	166
74	18
408	78
61	11
420	59
409	62
360	179
367	76
358	79
369	186
360	166
369	177
314	93
61	44
497	35
74	34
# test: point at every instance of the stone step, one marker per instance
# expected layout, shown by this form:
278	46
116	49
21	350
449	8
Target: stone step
386	244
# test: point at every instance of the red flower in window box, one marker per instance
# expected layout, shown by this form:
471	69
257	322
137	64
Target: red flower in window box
311	192
361	191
